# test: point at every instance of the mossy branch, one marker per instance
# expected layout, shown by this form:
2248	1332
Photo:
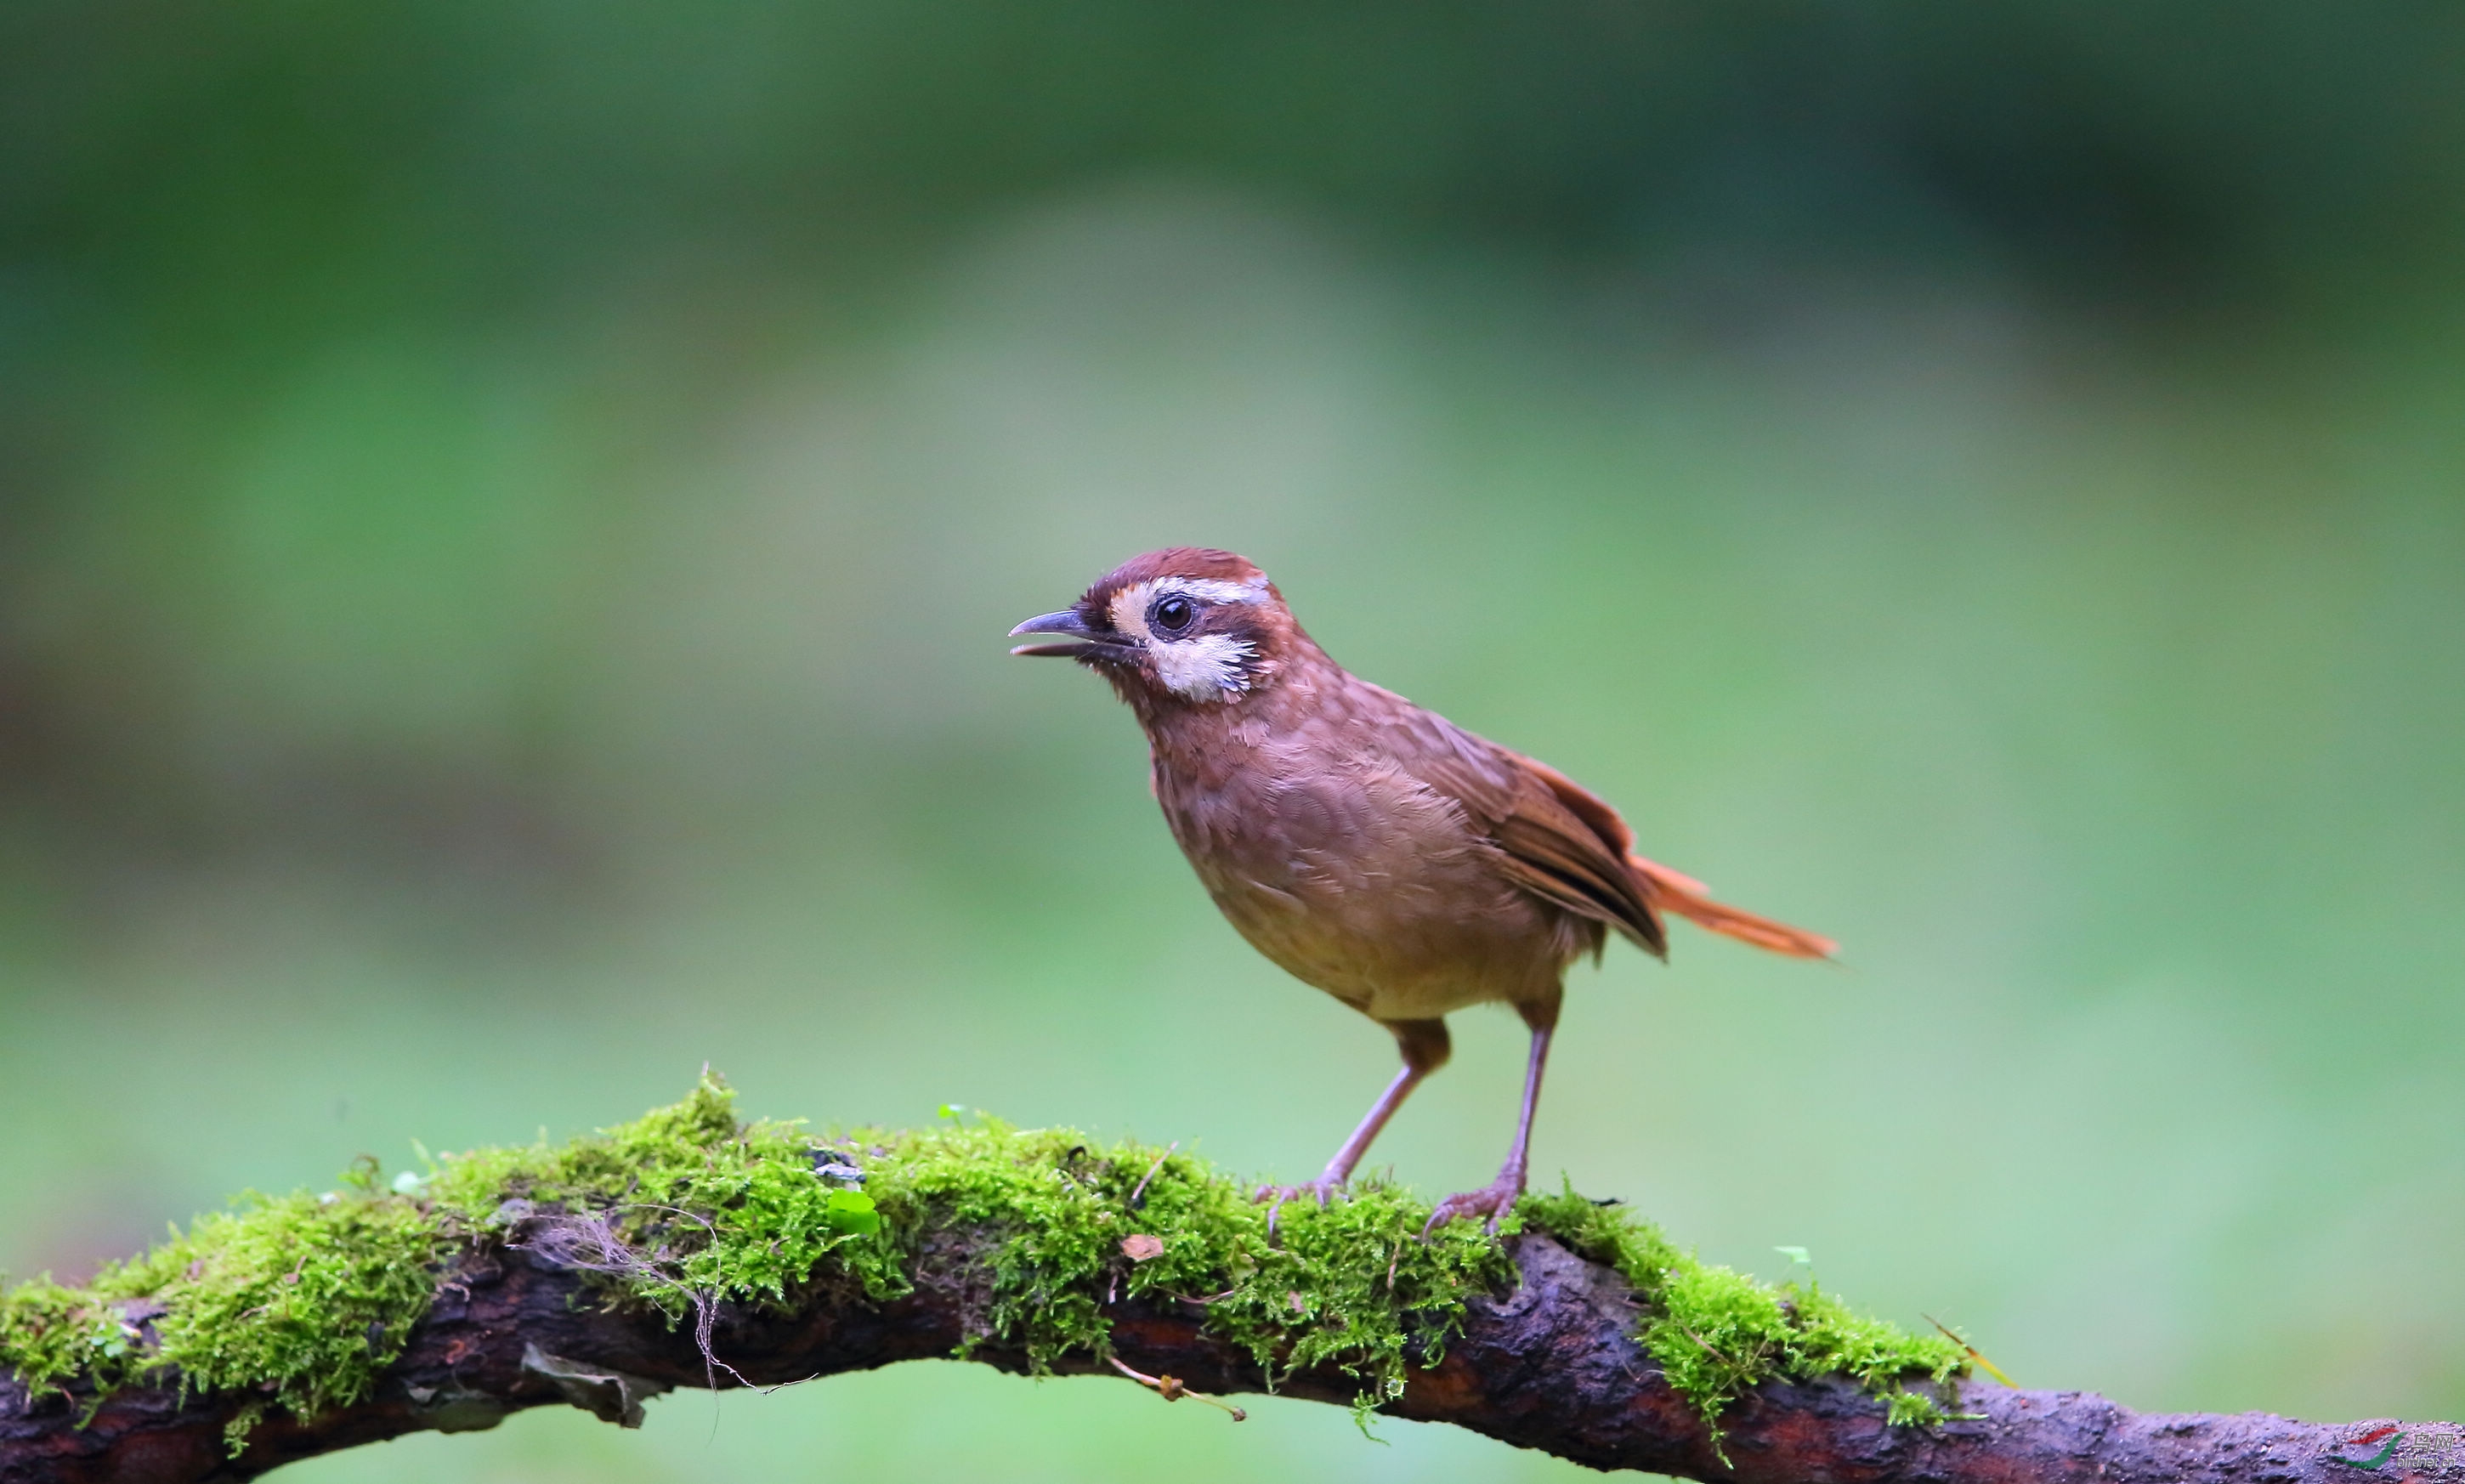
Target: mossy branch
689	1249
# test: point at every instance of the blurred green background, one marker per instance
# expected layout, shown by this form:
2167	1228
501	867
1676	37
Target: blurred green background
508	515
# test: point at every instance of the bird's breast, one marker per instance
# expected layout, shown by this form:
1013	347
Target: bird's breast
1358	878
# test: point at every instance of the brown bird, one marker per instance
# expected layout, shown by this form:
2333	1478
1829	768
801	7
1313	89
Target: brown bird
1371	848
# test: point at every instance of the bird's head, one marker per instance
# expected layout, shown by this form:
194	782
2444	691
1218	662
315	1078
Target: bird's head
1184	627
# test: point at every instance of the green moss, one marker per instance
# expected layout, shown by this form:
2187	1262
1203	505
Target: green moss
1717	1332
1347	1285
701	1205
710	1209
303	1298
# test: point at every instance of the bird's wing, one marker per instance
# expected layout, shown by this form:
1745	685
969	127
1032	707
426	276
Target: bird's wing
1548	845
1563	844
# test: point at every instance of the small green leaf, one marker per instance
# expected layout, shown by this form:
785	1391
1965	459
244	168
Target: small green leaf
851	1211
1796	1255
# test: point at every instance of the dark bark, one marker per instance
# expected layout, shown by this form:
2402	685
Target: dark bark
1549	1367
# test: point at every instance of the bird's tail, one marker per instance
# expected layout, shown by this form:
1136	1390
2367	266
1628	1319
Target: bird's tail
1675	891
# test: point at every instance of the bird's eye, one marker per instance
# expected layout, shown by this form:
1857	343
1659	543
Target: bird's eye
1174	615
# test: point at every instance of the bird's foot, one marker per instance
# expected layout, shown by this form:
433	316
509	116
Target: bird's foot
1321	1190
1491	1201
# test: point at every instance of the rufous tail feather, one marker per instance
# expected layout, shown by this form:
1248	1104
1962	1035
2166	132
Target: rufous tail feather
1675	891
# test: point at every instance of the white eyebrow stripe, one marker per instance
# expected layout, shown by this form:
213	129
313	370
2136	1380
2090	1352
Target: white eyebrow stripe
1130	605
1207	590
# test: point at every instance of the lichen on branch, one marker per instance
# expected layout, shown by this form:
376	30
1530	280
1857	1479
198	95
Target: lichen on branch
303	1301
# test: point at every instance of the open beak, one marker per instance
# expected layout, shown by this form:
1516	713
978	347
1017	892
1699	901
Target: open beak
1078	641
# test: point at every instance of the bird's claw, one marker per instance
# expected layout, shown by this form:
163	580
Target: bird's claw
1274	1197
1492	1201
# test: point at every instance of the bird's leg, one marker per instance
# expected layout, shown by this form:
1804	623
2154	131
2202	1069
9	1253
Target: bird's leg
1425	1047
1496	1198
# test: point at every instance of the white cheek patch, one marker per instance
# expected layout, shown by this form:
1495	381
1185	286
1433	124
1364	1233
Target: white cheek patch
1205	667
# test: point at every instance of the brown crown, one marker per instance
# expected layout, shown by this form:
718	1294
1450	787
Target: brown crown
1199	562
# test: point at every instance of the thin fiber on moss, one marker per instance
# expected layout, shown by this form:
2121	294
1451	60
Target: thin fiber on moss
736	1212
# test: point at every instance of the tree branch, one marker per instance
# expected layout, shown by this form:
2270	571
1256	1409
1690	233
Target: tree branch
690	1249
1550	1366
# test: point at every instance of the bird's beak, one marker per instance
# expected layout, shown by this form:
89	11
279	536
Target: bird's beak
1078	640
